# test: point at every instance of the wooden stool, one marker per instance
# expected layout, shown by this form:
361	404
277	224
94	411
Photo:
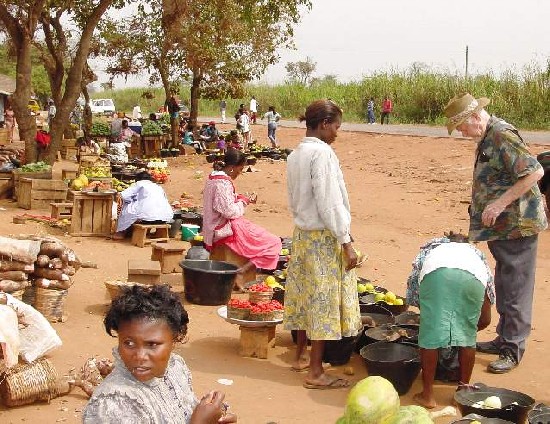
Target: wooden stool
169	255
61	210
256	341
224	253
143	271
140	232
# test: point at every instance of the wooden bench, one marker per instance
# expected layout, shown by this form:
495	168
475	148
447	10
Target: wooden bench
225	254
61	210
169	255
143	271
256	341
143	234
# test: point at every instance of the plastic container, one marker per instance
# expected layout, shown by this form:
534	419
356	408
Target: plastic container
338	352
188	231
208	282
396	362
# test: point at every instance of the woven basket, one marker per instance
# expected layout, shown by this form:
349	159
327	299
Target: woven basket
18	294
259	297
51	303
264	316
28	383
113	287
29	295
238	313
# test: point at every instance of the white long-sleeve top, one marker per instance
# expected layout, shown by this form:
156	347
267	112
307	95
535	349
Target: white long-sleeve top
317	193
144	200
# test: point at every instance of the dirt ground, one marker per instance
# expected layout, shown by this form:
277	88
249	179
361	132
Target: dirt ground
403	191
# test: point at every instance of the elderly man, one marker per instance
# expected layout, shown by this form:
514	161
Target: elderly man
506	211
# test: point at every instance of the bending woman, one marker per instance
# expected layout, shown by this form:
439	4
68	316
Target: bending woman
223	221
150	384
144	201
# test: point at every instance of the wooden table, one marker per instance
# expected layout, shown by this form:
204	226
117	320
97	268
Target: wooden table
152	145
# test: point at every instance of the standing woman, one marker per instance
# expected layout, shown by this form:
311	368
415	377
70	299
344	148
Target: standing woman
321	300
272	119
9	119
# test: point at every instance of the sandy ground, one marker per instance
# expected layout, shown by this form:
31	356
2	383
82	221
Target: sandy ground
403	191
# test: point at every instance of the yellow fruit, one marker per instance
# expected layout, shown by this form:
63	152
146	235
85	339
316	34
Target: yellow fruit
398	302
379	297
369	287
84	179
390	297
271	281
361	288
285	252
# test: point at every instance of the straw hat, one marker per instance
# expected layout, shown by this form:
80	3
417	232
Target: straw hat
461	108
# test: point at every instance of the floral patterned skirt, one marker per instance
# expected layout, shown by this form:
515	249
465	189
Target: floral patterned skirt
321	296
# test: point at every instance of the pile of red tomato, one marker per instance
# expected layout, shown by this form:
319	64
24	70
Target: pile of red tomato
260	287
239	304
264	307
159	175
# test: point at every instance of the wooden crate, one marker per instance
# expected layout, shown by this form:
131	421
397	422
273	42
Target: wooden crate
69	153
6	185
68	142
88	158
17	175
38	194
152	146
3	136
69	174
92	213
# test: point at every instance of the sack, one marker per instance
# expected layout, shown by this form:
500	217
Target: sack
37	336
43	138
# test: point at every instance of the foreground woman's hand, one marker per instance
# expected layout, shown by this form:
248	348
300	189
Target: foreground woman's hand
210	409
350	255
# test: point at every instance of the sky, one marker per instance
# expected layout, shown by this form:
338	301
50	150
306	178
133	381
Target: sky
355	38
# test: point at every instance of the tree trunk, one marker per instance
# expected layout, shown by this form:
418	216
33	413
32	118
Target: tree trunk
20	99
74	79
195	95
86	114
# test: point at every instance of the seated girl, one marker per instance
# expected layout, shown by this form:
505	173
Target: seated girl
224	222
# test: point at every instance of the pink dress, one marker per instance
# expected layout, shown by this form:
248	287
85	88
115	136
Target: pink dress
223	223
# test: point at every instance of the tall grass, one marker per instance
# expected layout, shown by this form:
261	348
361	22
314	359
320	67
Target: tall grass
419	96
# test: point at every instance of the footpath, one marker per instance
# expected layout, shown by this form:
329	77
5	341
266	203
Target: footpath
534	137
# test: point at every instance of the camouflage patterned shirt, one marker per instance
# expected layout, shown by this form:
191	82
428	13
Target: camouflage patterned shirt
502	159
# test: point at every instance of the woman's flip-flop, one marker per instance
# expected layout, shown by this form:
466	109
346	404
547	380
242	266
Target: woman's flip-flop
336	383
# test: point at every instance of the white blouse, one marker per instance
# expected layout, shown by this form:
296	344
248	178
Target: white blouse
317	193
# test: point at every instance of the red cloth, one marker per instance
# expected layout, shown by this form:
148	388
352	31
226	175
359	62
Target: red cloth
43	138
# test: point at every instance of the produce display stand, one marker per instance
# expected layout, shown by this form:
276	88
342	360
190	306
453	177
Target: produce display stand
69	174
69	153
3	136
257	337
152	145
92	213
18	174
38	194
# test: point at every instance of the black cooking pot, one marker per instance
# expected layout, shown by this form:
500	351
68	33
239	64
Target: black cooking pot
483	420
516	405
540	414
408	318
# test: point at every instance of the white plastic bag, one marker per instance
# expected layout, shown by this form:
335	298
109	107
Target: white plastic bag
37	336
9	335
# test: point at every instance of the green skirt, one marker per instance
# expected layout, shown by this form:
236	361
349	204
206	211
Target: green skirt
450	306
321	296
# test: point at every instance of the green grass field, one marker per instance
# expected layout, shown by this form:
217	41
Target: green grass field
522	98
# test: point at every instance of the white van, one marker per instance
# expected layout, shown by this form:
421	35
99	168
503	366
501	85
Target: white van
102	106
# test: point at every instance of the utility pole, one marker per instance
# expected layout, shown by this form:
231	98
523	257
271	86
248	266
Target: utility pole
466	73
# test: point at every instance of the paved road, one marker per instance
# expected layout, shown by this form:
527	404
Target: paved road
535	137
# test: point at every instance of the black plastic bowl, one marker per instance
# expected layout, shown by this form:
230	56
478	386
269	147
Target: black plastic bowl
540	414
396	362
208	282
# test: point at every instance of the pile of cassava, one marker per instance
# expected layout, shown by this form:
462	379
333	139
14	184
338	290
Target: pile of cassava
36	261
